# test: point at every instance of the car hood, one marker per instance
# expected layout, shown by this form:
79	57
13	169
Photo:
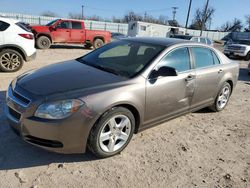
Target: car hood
65	77
40	28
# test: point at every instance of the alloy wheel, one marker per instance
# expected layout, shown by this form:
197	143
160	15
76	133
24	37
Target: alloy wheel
10	61
223	97
115	133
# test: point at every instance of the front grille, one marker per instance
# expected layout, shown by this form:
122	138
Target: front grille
234	47
20	97
43	142
15	114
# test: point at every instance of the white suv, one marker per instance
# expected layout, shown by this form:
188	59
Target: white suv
17	45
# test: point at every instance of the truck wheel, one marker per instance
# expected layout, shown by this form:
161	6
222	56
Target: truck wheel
10	60
98	43
247	57
43	42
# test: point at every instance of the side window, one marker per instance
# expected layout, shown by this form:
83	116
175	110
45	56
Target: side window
216	59
178	59
203	40
209	41
64	25
3	26
195	39
203	57
76	25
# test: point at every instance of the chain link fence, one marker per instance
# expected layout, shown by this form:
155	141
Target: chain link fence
89	24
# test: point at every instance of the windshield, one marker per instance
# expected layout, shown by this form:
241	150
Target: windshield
124	58
52	22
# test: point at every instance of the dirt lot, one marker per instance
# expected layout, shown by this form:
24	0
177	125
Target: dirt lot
201	149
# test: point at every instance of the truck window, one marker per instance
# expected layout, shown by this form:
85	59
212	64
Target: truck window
64	25
76	25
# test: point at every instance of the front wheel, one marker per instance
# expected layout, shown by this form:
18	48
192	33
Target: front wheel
43	42
222	98
247	56
112	133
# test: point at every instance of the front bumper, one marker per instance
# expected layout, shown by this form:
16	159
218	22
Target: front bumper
235	53
62	136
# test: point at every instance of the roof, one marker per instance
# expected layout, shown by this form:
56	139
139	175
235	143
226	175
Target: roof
8	20
158	40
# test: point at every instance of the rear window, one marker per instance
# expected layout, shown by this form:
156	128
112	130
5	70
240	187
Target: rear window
24	26
3	26
203	57
76	25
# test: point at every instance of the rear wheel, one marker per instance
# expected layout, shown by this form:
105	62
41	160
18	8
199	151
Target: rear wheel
10	60
98	43
112	133
222	98
43	42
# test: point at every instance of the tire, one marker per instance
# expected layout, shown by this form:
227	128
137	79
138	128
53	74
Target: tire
105	141
247	57
43	42
222	98
88	46
98	43
10	60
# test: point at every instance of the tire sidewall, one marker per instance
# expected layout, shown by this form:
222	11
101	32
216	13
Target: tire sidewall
39	42
96	131
96	43
2	68
216	101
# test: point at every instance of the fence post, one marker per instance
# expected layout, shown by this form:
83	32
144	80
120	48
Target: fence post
90	26
105	26
118	28
39	20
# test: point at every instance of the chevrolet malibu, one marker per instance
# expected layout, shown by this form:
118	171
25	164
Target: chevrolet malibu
100	100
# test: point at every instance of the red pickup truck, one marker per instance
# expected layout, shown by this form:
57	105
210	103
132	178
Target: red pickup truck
68	31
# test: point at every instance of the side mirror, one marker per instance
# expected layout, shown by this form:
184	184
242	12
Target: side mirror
164	72
52	28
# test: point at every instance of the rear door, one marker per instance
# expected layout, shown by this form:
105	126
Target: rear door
77	34
207	76
172	95
61	34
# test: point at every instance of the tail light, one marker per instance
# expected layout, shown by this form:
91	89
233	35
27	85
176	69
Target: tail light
27	36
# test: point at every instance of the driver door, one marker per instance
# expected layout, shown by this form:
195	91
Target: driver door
171	95
61	34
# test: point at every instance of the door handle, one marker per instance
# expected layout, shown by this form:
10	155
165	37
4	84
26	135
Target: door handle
220	71
190	77
67	31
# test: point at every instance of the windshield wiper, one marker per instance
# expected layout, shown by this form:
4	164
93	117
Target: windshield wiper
106	69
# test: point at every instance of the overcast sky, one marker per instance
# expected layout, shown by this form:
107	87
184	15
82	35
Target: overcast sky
225	10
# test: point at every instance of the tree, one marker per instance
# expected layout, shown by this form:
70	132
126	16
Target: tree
247	17
49	14
234	26
199	15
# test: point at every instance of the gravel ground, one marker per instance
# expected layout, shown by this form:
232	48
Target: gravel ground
202	149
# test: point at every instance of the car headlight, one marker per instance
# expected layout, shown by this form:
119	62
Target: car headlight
59	109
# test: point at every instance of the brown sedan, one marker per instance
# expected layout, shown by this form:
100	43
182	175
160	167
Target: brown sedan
101	99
